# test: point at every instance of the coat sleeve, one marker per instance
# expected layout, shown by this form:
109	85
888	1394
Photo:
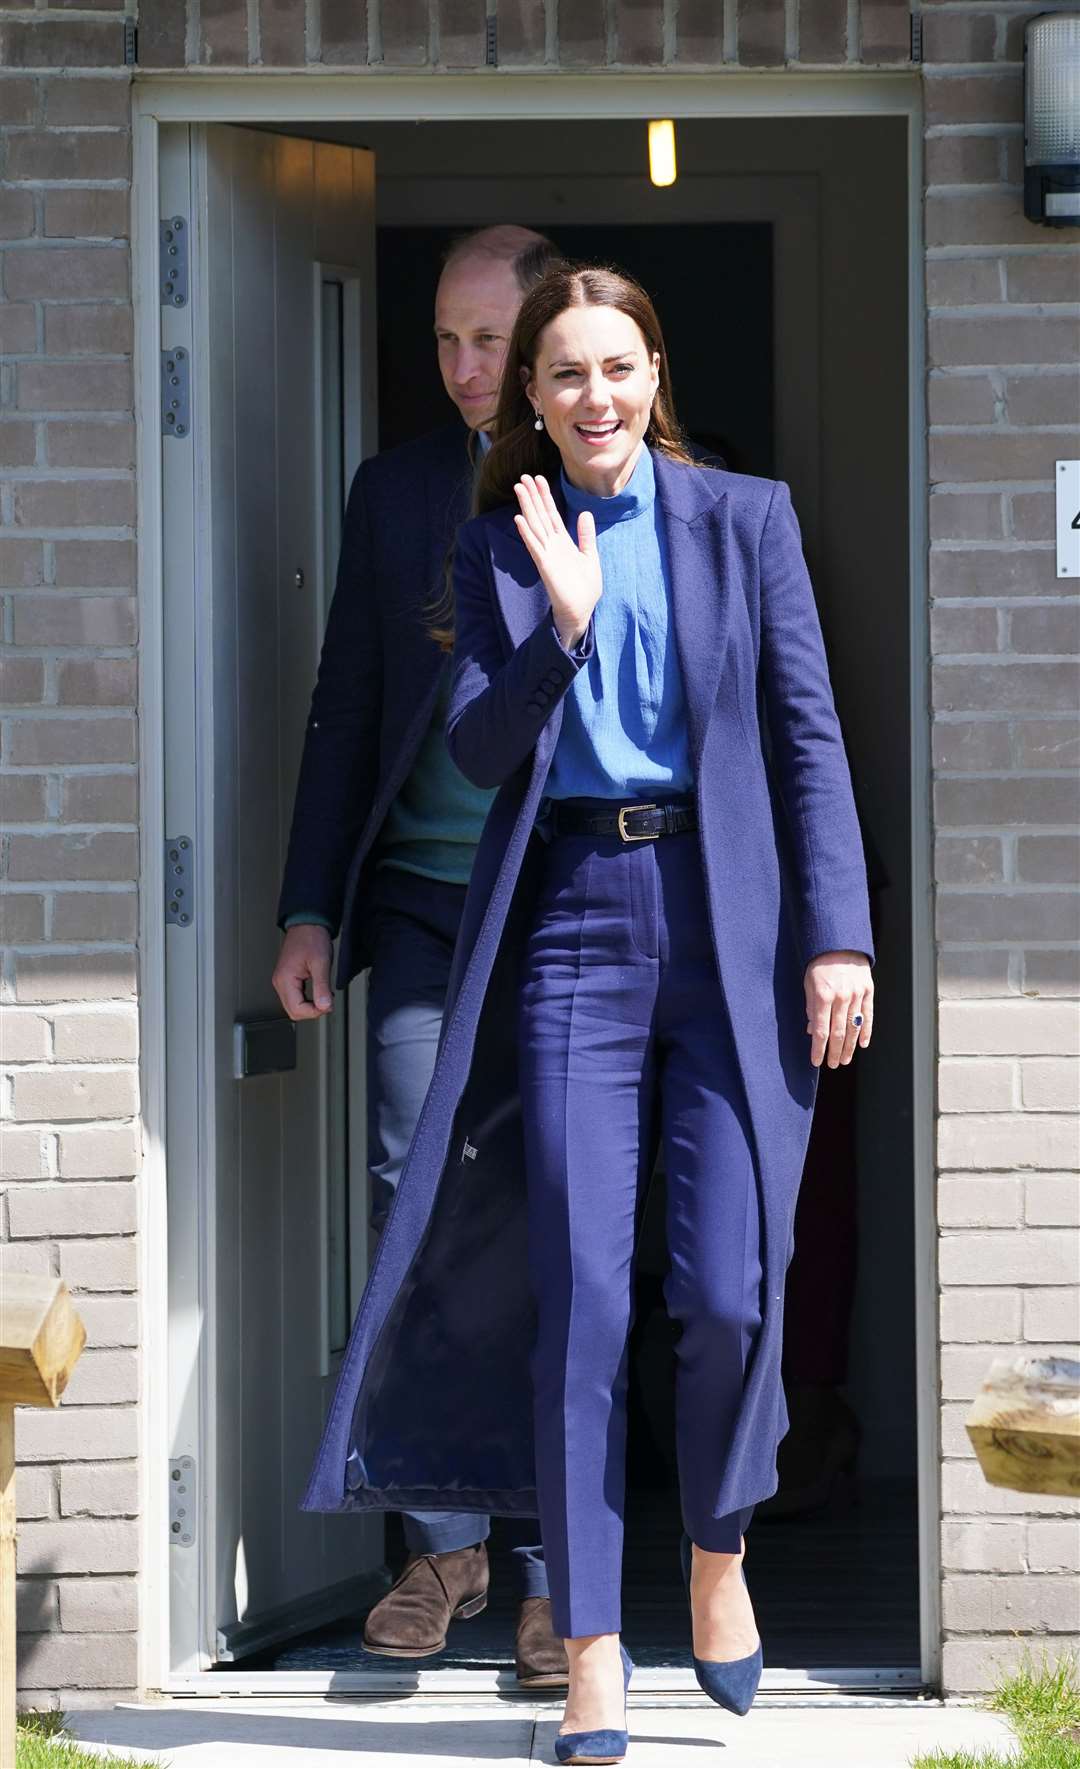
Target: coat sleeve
499	705
340	763
809	761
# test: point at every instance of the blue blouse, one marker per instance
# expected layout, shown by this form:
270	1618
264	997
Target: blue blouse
623	732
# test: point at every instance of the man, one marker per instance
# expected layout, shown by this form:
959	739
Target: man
383	837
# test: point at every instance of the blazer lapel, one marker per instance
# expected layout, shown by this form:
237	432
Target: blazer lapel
695	511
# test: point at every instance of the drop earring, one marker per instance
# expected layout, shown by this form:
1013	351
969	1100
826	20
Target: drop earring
539	425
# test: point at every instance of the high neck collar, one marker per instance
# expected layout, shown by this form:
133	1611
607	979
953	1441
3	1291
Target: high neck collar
636	495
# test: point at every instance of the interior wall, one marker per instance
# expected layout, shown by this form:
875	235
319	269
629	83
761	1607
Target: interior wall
858	512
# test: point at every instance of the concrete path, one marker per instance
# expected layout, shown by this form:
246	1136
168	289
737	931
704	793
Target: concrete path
429	1734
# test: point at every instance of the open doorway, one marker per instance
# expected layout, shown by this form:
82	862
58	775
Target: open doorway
778	264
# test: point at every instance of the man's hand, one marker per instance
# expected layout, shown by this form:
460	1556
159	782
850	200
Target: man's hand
838	985
305	954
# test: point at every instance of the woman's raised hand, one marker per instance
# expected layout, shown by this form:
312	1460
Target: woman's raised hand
570	571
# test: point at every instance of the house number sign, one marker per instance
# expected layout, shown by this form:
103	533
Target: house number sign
1068	518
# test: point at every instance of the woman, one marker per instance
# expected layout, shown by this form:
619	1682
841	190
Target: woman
684	969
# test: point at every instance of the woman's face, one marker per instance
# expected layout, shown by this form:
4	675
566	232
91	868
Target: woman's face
594	380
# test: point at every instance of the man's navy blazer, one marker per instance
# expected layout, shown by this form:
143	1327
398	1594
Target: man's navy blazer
378	678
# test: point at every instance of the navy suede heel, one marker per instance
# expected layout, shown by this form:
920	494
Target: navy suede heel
602	1746
731	1683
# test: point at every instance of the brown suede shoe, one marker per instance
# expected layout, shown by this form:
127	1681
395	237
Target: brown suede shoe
434	1590
541	1655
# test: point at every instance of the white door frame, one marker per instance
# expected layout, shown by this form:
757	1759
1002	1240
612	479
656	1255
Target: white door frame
198	97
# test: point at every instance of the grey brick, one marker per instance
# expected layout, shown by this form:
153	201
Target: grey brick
639	33
1019	916
35	1492
75	976
22	563
105	1151
22	1156
405	33
98	798
22	798
78	273
823	26
103	1378
161	33
49	742
93	1605
75	503
84	443
1004	801
58	1210
18	443
108	1264
94	565
60	43
522	32
344	32
95	915
110	1320
97	681
22	680
74	620
54	1094
88	215
68	154
80	856
37	1610
987	571
22	918
1005	1256
71	100
76	1434
968	859
884	31
224	41
110	1489
1048	859
582	34
75	386
88	328
16	214
281	33
18	329
761	33
461	33
88	1661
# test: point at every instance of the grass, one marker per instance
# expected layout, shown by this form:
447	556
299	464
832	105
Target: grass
41	1743
1041	1703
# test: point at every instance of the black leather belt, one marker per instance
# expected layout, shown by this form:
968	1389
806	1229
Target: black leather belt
632	823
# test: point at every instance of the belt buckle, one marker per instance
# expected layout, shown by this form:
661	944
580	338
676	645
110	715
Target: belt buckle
626	811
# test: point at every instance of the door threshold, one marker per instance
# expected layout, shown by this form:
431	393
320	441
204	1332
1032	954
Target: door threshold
827	1683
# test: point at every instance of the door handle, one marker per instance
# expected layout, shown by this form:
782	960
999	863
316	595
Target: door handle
263	1047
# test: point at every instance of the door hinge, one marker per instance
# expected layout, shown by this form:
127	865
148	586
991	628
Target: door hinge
182	1502
175	392
179	881
174	262
491	41
131	43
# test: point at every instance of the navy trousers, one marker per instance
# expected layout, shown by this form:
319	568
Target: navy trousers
415	926
623	1038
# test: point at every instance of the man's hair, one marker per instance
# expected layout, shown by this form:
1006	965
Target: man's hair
530	254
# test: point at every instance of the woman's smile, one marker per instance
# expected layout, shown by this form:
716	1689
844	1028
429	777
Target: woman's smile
593	382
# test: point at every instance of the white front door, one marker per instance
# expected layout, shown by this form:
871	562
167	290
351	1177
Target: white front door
267	1211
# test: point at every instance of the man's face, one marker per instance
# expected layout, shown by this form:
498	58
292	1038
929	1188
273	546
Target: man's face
476	305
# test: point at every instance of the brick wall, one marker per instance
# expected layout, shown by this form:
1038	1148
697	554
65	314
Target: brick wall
1003	403
68	1111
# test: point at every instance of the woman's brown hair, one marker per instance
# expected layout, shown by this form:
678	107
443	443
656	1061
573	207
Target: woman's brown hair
517	446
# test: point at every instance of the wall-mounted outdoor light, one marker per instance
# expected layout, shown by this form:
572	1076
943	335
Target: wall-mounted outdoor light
1052	119
662	168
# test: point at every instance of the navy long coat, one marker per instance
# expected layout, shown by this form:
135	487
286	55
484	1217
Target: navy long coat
433	1407
378	679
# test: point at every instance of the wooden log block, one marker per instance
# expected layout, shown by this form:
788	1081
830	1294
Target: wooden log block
1024	1425
41	1337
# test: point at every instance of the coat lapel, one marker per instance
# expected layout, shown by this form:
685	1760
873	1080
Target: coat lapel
695	510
